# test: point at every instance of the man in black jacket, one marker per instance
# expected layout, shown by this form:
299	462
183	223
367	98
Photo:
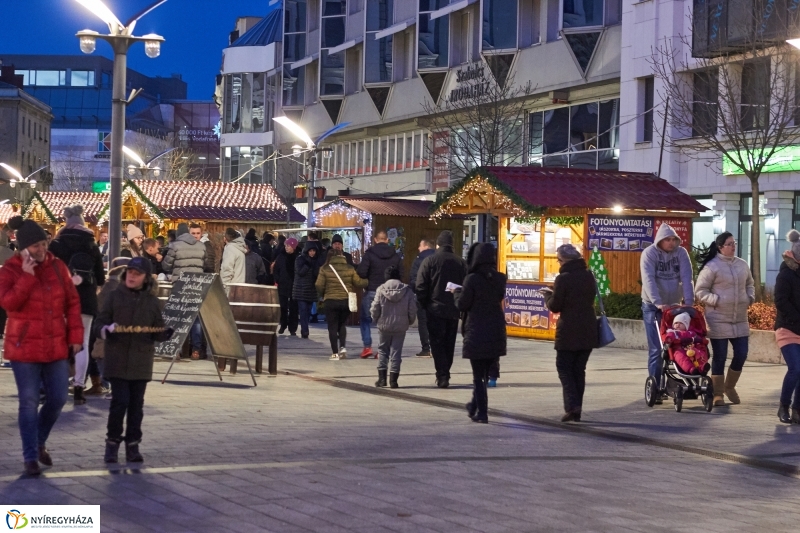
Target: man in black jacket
435	273
283	270
373	268
425	250
337	243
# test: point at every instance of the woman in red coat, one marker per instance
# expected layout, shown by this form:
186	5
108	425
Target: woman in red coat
44	323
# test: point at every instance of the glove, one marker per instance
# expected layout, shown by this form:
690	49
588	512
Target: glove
105	330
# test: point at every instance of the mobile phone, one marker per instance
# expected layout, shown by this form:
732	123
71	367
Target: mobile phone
26	254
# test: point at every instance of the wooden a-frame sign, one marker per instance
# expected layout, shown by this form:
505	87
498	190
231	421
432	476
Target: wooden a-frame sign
193	295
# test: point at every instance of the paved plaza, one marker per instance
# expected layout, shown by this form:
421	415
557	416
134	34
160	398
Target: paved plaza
318	448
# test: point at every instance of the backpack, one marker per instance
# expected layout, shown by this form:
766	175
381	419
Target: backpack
81	264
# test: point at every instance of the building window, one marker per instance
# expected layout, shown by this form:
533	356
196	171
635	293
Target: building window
331	74
755	94
578	136
705	105
796	212
648	86
43	78
434	40
499	24
245	164
703	225
582	13
334	13
294	49
82	78
378	52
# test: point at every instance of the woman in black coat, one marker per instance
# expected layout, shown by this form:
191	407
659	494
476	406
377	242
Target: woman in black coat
480	301
306	269
787	328
573	296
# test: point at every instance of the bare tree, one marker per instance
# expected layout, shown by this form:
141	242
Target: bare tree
71	172
480	123
180	164
735	107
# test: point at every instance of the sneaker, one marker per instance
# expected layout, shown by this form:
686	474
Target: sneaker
492	383
424	353
366	353
335	357
343	353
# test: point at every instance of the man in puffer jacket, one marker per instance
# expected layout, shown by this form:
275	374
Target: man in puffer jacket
394	309
185	254
234	261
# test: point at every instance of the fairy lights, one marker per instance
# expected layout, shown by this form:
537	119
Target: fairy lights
128	191
351	214
481	186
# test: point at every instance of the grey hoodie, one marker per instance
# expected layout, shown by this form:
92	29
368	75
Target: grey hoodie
394	307
666	277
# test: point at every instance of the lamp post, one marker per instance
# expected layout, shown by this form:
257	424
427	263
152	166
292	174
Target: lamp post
143	167
121	38
23	183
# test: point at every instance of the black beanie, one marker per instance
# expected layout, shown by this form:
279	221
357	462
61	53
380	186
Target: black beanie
28	232
337	238
445	238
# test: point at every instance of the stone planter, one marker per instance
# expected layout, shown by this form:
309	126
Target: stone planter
630	335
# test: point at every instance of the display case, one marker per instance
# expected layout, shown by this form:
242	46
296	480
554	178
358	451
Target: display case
529	252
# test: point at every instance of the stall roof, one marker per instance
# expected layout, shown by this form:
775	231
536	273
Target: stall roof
54	202
389	206
553	188
6	212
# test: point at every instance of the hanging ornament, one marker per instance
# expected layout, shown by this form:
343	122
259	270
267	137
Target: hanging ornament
598	267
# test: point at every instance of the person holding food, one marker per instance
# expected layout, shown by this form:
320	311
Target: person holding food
666	279
129	356
573	296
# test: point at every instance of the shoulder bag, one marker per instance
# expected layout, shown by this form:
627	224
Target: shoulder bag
604	334
352	299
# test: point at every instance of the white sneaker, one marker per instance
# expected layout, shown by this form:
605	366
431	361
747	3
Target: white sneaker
335	357
343	353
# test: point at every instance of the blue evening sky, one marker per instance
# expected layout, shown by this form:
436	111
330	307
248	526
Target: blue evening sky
196	31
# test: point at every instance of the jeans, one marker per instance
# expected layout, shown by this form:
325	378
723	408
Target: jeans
652	321
336	314
82	357
720	354
791	381
127	397
289	313
390	351
571	366
305	314
197	335
365	320
443	343
422	326
34	423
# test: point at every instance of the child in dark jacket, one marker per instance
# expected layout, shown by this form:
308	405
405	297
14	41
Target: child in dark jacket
394	309
129	356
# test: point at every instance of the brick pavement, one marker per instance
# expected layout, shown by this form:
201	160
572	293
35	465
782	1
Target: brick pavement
298	454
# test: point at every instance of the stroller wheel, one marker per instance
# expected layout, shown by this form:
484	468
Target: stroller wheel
708	396
678	399
650	391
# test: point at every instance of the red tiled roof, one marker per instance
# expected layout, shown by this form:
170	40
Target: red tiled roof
392	207
92	203
593	189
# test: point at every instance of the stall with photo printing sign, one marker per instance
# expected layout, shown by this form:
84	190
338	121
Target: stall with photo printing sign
539	209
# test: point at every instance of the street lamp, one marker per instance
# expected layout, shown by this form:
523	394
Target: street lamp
143	167
121	38
23	182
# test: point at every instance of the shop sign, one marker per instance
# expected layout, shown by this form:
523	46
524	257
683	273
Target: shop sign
472	83
101	186
441	160
786	159
524	307
620	233
681	227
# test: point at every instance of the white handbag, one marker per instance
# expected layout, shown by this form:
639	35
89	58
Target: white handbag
352	298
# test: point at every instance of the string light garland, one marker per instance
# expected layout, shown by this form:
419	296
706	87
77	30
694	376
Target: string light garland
358	216
36	200
479	182
130	189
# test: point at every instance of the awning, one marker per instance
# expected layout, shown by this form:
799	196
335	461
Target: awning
305	61
391	30
344	46
455	6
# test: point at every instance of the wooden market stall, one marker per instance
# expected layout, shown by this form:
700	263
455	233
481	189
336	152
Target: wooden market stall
406	222
539	209
47	208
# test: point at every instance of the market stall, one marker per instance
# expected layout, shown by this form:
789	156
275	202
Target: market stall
406	222
613	214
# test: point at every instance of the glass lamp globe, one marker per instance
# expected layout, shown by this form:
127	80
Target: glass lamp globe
88	43
152	45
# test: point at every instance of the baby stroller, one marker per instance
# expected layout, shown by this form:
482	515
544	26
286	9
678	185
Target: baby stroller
675	383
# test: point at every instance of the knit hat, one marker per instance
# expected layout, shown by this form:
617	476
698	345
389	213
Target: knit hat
133	232
119	261
141	264
28	232
682	318
445	238
337	238
291	241
183	228
794	237
74	215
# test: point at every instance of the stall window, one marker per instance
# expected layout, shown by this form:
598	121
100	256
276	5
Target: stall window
530	254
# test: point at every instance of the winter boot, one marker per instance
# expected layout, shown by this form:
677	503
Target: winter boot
44	456
112	451
393	379
718	383
77	397
783	414
482	400
795	415
32	468
381	379
472	406
96	389
132	454
730	386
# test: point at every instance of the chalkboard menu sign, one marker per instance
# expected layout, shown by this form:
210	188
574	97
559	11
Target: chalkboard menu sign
181	309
